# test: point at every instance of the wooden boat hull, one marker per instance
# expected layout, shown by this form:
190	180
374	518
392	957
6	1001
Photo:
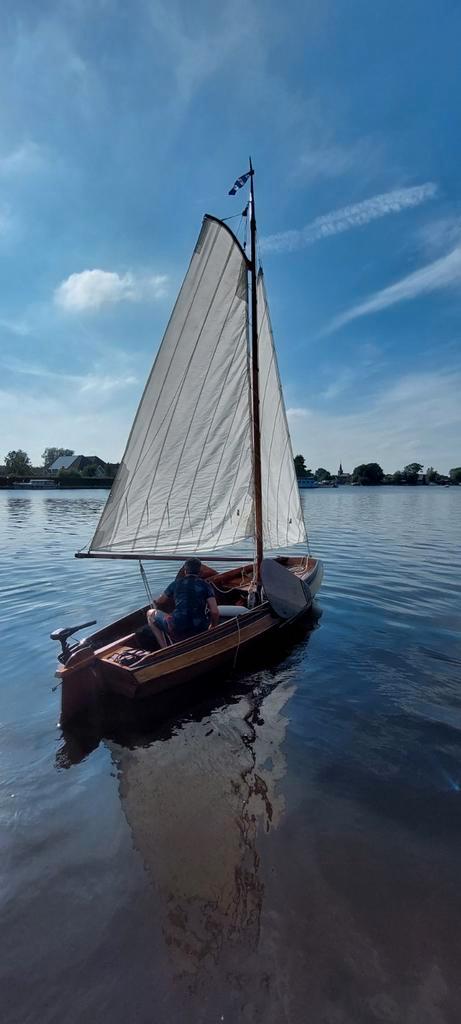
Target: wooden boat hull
99	669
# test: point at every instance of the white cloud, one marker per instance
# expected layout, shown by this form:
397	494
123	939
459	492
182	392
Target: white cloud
89	382
17	326
195	49
355	215
343	381
91	289
60	408
63	418
6	221
25	158
332	160
98	383
440	235
417	419
442	273
295	411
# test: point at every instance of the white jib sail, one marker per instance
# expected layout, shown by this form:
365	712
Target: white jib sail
283	522
185	481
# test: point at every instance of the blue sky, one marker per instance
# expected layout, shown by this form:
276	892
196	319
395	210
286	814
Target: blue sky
121	124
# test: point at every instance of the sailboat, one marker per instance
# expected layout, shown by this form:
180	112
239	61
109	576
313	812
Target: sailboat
208	472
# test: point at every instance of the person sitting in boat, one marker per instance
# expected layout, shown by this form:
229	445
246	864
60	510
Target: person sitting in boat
195	606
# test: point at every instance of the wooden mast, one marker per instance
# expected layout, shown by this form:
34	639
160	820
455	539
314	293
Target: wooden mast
255	388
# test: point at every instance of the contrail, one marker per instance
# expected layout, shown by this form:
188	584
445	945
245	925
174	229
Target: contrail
443	273
349	217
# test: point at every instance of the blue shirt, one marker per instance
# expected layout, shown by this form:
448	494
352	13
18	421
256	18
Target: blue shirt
190	595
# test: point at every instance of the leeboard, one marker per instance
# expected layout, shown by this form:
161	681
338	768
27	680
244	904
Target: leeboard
287	595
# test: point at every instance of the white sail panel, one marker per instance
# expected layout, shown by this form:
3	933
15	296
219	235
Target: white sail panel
185	481
283	522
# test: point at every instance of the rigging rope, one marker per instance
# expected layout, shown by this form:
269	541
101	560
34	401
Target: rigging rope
146	583
238	643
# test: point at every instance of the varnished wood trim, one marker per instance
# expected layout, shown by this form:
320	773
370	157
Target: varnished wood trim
203	654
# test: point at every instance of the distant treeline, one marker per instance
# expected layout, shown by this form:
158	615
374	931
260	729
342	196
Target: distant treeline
18	464
371	473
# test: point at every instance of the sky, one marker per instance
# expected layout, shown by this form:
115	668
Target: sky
122	124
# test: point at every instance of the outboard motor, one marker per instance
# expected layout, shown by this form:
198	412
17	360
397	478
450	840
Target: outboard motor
62	635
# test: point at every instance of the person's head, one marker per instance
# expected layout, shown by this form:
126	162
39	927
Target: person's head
192	567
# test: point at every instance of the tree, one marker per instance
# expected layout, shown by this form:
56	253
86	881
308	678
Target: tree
300	466
93	469
432	475
368	473
410	472
66	474
17	463
455	475
322	474
51	454
397	477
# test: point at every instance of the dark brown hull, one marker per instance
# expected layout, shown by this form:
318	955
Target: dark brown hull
90	673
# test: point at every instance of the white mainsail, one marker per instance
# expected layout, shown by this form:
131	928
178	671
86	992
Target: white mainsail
185	481
283	522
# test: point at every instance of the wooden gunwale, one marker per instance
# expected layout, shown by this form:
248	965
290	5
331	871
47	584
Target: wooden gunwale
94	674
121	630
222	639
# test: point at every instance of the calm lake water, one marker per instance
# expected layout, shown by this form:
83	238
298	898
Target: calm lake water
286	850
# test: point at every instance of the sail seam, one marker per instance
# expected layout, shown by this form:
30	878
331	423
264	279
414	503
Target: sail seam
249	422
141	456
178	391
220	461
211	424
269	456
278	486
281	407
231	307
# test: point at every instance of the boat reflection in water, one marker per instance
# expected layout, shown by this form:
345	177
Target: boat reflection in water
200	792
196	806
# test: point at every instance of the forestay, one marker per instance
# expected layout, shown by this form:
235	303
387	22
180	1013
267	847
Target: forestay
283	522
185	481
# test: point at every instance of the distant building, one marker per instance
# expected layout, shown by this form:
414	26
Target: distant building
342	477
63	462
80	463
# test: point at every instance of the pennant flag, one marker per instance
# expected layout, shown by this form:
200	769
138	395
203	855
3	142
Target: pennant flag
238	184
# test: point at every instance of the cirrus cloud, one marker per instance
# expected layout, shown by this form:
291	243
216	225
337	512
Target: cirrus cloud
89	290
24	158
352	216
442	273
415	418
